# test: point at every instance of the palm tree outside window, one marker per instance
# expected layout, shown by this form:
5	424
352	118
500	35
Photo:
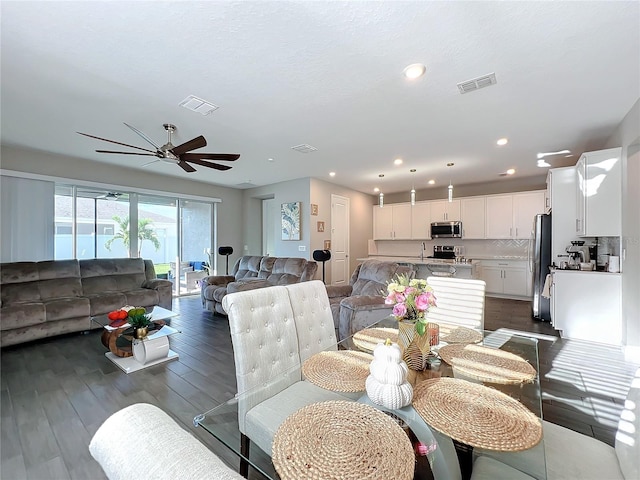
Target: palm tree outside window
145	232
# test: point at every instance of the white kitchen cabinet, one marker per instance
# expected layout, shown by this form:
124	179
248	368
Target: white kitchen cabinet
506	278
473	217
561	182
525	207
392	222
587	305
499	221
599	193
511	216
421	221
445	211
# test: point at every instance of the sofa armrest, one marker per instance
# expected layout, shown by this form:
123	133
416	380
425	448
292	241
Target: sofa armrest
339	290
157	283
357	302
179	454
219	280
243	285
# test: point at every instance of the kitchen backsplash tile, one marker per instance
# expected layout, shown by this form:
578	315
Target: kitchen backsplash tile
472	248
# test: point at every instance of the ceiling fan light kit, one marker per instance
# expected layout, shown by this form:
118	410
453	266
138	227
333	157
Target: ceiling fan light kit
180	155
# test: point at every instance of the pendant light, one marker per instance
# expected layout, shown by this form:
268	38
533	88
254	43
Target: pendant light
450	187
413	189
381	195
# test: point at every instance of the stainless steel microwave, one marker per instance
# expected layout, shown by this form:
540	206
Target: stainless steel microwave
446	230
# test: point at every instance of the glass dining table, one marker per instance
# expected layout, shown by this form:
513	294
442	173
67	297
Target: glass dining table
462	408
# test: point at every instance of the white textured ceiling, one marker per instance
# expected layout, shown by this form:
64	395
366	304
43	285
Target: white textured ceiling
327	74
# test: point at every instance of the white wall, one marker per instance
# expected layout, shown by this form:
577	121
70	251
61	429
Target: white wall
26	220
360	215
627	136
48	164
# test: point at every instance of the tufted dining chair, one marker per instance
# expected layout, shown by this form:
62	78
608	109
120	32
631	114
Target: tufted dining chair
273	331
460	301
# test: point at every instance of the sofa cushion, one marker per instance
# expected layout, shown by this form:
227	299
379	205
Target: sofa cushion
22	315
19	293
102	303
54	269
247	267
373	277
111	275
60	287
19	272
63	308
285	271
142	297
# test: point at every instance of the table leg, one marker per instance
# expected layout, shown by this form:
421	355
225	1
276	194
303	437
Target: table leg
465	458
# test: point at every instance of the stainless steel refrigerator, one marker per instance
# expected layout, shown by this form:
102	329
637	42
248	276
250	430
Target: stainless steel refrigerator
541	259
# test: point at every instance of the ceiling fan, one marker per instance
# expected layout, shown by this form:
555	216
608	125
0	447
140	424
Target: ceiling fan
171	154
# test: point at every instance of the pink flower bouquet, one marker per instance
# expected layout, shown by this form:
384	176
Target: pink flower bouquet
411	299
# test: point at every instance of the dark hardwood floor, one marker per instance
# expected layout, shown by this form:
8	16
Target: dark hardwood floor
55	393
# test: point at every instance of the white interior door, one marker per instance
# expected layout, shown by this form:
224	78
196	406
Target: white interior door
340	270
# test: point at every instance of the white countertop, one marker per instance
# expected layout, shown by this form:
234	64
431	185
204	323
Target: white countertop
416	260
590	272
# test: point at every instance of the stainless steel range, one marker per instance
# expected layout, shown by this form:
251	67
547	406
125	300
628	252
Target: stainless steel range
448	261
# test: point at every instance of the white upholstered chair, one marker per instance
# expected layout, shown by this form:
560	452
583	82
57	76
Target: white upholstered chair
571	455
273	331
460	301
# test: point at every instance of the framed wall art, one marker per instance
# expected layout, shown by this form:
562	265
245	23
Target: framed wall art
314	209
290	213
320	226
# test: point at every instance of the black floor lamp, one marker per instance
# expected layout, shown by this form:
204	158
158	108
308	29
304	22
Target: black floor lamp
322	256
226	251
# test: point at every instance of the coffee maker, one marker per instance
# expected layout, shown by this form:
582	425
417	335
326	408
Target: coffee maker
578	253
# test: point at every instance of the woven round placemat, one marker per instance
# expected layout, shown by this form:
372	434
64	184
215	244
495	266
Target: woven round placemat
367	339
476	415
488	364
458	334
341	440
339	371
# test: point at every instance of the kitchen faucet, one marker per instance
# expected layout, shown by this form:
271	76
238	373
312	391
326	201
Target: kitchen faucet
422	250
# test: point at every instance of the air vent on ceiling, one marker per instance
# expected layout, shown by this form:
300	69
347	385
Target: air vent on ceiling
304	148
477	83
198	105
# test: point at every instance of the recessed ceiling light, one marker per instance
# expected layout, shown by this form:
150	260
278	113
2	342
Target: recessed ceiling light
431	182
269	159
376	189
511	171
502	141
397	161
415	70
332	174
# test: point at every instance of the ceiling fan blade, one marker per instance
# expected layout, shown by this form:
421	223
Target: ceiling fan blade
113	141
186	167
229	157
142	135
128	153
192	144
217	166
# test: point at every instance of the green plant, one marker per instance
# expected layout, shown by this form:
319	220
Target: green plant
139	320
145	232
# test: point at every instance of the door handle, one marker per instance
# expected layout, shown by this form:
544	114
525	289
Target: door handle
516	231
511	231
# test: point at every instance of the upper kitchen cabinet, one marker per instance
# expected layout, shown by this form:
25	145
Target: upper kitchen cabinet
392	222
472	215
445	211
511	216
421	221
525	207
598	193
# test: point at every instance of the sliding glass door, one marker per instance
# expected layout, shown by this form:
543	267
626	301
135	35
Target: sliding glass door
176	234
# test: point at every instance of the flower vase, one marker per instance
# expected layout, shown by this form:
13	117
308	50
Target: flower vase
415	348
141	333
